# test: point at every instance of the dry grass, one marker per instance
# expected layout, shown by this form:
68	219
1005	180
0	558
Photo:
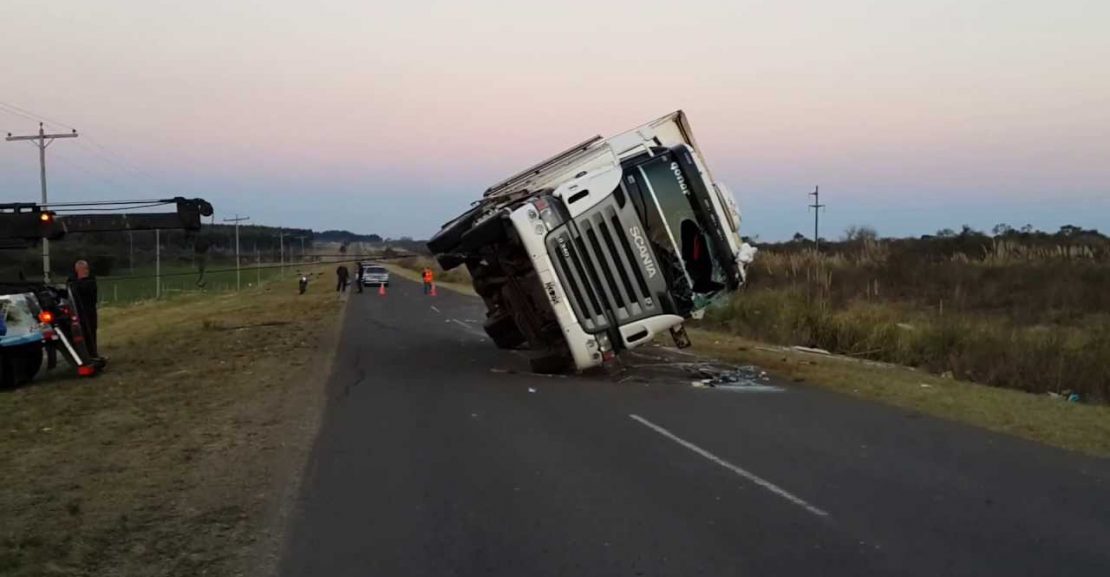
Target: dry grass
170	462
1027	315
457	276
411	269
988	349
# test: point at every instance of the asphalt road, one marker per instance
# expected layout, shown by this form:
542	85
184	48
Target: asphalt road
440	455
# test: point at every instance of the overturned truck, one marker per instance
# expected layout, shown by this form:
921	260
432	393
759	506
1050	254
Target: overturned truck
601	247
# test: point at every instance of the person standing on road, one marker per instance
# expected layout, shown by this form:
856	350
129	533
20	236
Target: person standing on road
83	286
358	277
342	275
429	278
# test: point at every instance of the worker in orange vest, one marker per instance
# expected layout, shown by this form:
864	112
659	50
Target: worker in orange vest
428	279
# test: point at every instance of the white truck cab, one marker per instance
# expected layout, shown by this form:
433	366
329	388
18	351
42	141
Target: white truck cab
601	247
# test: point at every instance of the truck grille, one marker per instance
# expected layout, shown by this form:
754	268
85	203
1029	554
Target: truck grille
603	278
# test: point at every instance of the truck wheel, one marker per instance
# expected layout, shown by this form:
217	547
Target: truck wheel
551	363
449	260
29	364
7	374
449	237
502	330
487	232
485	282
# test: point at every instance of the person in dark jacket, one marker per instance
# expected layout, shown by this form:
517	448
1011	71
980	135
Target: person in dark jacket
83	286
343	274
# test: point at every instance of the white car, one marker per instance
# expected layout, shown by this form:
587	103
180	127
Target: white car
374	275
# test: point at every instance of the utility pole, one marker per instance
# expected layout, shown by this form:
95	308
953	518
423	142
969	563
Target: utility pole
131	251
281	250
237	220
302	246
257	264
816	206
44	140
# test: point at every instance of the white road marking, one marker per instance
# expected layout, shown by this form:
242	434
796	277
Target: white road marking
435	309
741	472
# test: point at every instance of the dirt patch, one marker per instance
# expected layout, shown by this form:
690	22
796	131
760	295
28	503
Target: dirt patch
175	460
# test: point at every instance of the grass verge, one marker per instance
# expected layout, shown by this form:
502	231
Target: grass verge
988	348
171	461
1075	426
410	269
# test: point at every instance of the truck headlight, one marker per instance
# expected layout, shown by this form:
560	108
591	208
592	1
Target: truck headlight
546	213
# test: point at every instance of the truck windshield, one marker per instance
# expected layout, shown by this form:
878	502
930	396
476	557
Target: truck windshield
682	234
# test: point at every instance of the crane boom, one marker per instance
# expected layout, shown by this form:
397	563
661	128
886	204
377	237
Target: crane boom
22	223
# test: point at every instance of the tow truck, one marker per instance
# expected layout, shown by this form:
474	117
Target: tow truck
38	318
600	247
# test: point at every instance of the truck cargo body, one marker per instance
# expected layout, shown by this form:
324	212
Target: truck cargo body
601	247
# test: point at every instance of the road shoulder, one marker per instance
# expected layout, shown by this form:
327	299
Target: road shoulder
178	459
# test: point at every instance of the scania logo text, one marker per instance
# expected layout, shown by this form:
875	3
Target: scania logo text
680	178
645	252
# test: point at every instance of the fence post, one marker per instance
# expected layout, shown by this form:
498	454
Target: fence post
157	263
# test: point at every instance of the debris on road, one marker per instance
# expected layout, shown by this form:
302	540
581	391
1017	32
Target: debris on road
813	350
747	378
531	390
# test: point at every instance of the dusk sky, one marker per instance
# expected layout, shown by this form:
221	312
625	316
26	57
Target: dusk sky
390	117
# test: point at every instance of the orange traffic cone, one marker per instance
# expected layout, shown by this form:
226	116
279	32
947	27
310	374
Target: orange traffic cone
381	289
433	289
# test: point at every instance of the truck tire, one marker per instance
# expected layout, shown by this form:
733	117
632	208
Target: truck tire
449	237
489	231
7	370
449	260
29	363
502	330
551	363
486	282
19	365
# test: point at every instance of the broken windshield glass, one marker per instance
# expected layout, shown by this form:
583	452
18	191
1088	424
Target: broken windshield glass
673	222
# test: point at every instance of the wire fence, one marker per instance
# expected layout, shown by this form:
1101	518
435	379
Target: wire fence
175	281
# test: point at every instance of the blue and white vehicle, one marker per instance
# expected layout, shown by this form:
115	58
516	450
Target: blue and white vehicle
22	338
601	247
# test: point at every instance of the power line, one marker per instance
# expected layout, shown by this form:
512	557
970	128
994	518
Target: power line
17	113
31	115
116	159
42	143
